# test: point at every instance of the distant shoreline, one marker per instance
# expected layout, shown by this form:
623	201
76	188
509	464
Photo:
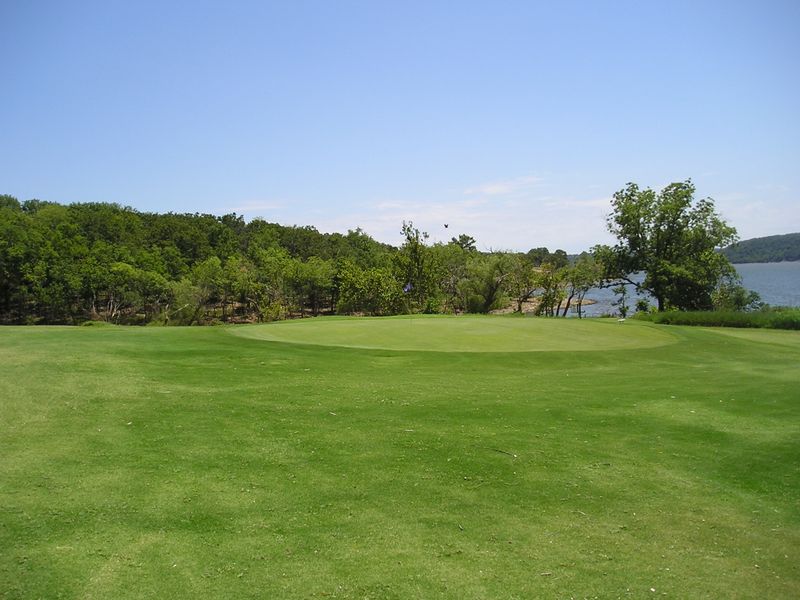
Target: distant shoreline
758	262
765	250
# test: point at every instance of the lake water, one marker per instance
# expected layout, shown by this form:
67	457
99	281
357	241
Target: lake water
778	284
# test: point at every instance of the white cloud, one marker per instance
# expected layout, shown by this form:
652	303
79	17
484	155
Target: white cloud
604	203
761	210
504	188
571	224
516	214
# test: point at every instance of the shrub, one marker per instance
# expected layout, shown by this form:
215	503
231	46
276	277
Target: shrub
97	324
768	318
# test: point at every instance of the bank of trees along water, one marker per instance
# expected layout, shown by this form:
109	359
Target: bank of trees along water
79	262
67	264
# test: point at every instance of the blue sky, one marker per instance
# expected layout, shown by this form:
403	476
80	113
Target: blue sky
513	122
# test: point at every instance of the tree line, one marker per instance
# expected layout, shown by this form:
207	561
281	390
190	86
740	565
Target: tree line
65	264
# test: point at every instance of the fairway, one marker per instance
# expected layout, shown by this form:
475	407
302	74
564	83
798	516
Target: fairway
436	333
342	458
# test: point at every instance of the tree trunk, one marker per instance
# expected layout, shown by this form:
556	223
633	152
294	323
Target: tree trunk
566	306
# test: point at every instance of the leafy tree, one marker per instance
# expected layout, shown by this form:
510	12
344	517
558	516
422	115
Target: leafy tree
521	280
558	259
259	234
622	291
579	278
451	259
243	285
549	279
186	297
374	291
538	255
673	240
642	305
417	270
272	266
484	287
131	289
9	202
311	283
465	242
730	295
208	276
18	243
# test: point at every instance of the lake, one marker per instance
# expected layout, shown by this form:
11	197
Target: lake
778	284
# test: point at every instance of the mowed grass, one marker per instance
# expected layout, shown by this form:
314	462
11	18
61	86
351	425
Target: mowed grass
461	334
607	460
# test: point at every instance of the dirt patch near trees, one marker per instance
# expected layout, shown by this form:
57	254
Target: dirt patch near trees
529	306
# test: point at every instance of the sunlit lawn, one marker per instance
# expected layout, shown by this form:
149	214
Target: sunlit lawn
342	458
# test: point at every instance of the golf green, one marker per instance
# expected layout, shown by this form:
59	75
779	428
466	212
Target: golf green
464	334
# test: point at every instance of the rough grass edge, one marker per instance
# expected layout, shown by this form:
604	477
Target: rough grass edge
780	318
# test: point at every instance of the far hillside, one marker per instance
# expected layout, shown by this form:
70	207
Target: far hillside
773	248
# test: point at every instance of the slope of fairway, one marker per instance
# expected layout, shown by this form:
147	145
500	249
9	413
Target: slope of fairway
463	334
192	463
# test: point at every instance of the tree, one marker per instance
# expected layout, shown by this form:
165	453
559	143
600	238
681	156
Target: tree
417	271
465	242
209	278
622	291
484	287
452	260
311	283
558	259
673	240
538	255
579	278
272	266
729	295
522	279
549	280
374	291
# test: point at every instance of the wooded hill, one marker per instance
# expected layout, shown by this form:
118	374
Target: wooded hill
773	248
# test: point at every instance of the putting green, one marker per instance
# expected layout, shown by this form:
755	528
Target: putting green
462	334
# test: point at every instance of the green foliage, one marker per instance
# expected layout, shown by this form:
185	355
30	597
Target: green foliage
452	260
622	302
64	264
465	242
93	261
549	284
311	283
193	463
418	271
642	306
763	319
522	279
673	240
541	255
730	296
96	324
584	274
372	291
484	287
10	203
